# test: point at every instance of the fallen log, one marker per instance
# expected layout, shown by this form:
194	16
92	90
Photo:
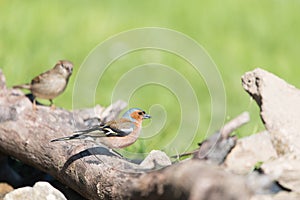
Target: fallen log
93	170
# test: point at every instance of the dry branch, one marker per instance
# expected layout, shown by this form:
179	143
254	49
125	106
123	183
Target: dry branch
217	146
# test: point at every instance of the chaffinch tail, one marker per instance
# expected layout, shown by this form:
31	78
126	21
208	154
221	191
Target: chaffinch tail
114	134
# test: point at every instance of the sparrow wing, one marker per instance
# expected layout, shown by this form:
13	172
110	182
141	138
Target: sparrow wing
36	80
42	78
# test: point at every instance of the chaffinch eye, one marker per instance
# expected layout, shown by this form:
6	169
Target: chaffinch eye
142	113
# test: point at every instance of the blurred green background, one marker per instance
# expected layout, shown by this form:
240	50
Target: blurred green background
238	35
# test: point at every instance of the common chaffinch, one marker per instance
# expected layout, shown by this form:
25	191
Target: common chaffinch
114	134
51	83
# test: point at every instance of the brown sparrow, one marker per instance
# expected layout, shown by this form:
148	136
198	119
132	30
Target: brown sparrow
51	83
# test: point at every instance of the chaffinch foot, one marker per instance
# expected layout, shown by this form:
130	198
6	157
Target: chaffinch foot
114	134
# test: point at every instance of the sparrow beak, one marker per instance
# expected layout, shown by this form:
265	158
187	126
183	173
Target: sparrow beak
70	69
146	116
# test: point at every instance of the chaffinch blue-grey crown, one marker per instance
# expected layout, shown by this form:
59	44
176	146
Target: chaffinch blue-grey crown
118	133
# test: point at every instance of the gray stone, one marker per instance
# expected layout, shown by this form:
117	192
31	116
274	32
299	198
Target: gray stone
156	159
280	196
280	108
40	190
286	170
248	151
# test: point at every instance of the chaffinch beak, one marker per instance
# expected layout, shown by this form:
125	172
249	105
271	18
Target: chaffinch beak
146	116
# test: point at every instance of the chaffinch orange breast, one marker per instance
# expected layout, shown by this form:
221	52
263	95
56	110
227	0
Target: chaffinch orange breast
118	133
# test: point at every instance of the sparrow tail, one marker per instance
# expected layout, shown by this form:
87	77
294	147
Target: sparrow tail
24	86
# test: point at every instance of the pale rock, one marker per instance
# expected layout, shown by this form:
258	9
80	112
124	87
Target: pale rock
40	190
248	151
286	170
280	108
280	196
156	159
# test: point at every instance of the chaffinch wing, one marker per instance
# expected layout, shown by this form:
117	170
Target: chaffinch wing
116	133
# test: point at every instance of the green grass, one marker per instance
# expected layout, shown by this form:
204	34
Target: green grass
239	36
